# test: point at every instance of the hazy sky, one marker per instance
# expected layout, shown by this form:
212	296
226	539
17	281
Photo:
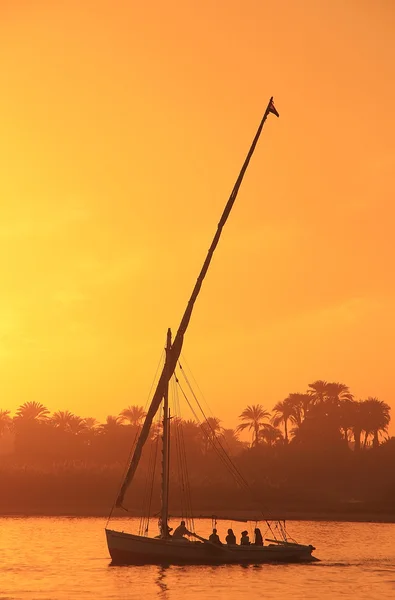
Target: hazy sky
123	128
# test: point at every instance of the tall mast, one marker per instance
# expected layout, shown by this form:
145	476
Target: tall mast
175	350
166	450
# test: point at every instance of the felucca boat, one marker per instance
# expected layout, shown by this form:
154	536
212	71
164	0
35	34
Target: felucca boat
132	549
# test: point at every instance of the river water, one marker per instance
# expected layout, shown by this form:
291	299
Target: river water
67	558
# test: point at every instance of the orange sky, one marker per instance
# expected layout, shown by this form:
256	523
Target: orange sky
123	128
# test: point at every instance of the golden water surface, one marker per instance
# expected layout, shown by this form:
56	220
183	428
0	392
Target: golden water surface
67	558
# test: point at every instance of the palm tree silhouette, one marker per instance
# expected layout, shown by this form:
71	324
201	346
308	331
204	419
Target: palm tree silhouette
230	441
288	410
254	417
30	424
62	419
133	414
348	416
338	392
375	418
190	429
32	411
5	421
77	425
318	391
321	391
357	424
270	435
303	404
210	428
90	423
111	425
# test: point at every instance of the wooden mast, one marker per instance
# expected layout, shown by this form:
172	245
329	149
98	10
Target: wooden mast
166	451
175	350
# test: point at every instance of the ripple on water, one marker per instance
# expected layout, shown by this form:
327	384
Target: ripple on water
67	559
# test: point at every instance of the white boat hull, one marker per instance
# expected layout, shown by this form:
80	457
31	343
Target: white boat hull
129	549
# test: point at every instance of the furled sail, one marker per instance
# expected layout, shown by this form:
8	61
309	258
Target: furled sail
173	354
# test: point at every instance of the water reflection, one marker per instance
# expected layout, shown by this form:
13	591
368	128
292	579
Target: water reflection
161	582
71	563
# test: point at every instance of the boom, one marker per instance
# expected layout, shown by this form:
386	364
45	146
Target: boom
173	354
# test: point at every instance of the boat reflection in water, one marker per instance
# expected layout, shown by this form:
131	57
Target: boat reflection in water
128	548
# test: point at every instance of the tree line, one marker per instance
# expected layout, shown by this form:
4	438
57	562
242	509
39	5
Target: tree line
327	412
320	448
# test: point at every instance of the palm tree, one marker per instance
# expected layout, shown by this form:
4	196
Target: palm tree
230	441
30	423
331	404
88	429
210	428
321	391
286	410
111	425
357	424
190	429
348	417
32	411
77	425
254	417
303	404
270	435
5	421
133	414
62	419
91	423
318	391
214	424
338	392
191	434
375	418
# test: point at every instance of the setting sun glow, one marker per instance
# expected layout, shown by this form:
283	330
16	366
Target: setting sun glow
124	126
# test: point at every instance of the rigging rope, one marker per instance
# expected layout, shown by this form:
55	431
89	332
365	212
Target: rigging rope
195	382
161	362
220	450
186	497
213	438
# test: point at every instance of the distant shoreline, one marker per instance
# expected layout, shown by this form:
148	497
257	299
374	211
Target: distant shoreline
235	515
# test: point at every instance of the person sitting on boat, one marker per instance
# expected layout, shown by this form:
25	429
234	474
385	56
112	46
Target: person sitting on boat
258	537
230	538
245	540
214	538
180	531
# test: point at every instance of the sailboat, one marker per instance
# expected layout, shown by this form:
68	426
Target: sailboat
132	549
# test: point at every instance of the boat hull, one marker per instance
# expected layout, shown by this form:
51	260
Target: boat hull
130	549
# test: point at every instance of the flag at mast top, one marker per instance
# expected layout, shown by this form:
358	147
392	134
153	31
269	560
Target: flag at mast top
272	108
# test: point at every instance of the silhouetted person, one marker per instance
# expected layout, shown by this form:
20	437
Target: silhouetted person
230	538
245	540
214	538
180	531
258	537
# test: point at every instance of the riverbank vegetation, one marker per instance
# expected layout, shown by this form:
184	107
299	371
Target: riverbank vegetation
320	451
